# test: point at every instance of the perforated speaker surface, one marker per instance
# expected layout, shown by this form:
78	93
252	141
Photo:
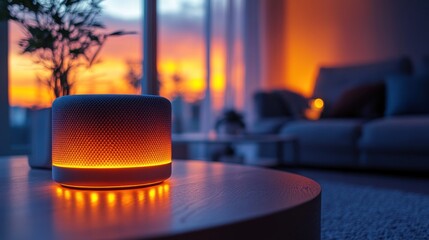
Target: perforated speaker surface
112	138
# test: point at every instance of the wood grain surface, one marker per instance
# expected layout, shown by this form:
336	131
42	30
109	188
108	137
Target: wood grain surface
201	200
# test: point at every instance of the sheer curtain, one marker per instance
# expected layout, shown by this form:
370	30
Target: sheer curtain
252	54
208	59
235	37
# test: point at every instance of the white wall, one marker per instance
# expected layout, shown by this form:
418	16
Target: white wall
337	32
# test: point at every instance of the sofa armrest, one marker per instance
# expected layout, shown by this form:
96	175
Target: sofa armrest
295	102
280	104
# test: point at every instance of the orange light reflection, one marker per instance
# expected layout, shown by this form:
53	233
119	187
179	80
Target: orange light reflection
83	209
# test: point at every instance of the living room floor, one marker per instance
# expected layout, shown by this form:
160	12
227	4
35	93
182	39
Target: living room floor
362	204
406	182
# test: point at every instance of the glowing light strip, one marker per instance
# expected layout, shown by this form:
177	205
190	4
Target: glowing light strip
110	187
146	164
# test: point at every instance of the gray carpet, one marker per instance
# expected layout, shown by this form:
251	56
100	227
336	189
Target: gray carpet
360	212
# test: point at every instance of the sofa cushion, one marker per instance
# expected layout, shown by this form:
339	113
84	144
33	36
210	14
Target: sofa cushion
325	133
399	134
325	142
407	95
277	107
333	81
367	101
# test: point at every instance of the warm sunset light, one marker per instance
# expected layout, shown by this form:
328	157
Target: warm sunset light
108	76
180	53
111	140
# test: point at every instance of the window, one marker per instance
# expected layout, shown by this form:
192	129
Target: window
119	59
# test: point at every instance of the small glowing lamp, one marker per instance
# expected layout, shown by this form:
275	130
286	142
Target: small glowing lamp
111	141
315	109
317	103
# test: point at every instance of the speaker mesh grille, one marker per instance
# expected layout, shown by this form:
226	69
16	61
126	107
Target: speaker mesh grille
111	131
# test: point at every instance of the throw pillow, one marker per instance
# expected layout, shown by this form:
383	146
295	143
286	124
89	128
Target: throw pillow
407	95
365	101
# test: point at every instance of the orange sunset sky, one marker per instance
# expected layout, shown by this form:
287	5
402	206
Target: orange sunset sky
180	52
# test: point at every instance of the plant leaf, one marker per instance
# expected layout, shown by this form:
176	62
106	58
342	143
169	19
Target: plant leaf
120	33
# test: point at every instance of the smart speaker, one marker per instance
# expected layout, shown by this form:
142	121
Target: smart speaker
111	141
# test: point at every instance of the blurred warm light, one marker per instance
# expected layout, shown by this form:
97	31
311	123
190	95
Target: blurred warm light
111	197
191	72
152	194
67	194
94	197
315	109
218	67
92	208
79	196
59	192
126	198
102	197
141	196
318	103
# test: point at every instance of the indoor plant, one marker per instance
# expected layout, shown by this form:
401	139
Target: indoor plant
61	36
230	123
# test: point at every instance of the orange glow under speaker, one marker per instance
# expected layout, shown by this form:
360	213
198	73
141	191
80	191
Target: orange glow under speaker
111	141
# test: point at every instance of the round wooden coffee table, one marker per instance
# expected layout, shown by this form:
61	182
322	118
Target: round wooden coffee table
202	200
